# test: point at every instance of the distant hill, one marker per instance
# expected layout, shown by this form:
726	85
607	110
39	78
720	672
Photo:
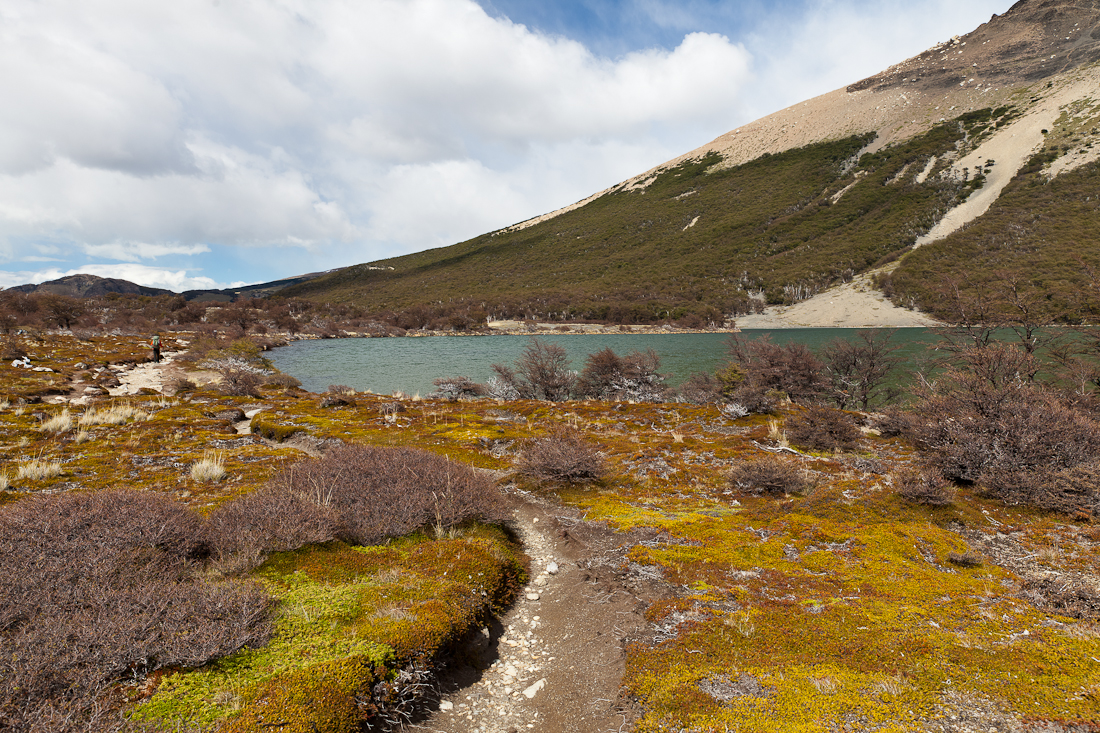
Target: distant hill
935	154
92	286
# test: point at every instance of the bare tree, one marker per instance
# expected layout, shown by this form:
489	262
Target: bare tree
858	370
542	372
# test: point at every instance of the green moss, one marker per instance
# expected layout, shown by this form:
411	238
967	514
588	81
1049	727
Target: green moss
349	616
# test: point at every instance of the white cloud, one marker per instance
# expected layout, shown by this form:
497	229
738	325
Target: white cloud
355	129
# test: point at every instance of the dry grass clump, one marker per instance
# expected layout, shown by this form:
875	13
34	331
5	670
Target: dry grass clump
210	467
59	423
101	588
823	429
37	469
768	475
354	493
5	482
561	456
117	414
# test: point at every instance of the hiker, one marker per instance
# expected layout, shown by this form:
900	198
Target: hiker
156	348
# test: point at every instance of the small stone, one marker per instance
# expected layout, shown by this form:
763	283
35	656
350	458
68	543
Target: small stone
533	690
533	596
552	568
535	520
541	581
446	705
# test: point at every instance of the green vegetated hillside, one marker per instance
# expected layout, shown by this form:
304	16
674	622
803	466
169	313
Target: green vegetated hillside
1039	243
698	242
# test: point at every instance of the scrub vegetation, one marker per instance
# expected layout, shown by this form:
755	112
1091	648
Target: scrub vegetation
819	568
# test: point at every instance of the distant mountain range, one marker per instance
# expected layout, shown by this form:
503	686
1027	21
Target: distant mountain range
92	286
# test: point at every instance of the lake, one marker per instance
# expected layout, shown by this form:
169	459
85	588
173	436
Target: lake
388	365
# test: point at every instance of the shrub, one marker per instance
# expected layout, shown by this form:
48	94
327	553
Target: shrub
357	494
984	421
700	389
858	370
542	373
791	369
768	475
563	455
924	487
821	428
455	388
279	379
607	376
104	587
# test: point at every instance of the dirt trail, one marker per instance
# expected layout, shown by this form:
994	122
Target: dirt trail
555	662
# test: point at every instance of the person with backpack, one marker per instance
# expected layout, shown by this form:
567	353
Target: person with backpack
156	348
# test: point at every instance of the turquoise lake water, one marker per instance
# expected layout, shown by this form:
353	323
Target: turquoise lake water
388	365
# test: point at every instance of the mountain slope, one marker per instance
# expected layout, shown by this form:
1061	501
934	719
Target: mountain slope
780	209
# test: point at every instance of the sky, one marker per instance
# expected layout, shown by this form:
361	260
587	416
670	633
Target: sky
213	143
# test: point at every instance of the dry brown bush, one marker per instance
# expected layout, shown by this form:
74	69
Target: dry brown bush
105	587
768	475
924	487
986	421
822	428
563	455
354	493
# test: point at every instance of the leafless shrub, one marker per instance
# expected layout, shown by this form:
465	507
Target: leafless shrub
500	389
341	389
355	493
182	384
823	428
563	455
892	422
542	373
858	370
240	383
988	422
792	369
1073	598
455	388
286	381
104	587
700	389
768	475
755	398
965	559
245	530
924	487
608	376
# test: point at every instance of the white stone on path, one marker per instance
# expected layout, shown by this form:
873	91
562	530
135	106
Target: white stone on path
533	690
552	568
446	705
532	596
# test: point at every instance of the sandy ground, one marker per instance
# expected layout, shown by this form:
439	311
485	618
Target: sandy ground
853	305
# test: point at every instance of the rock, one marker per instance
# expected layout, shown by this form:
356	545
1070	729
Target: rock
446	705
95	390
552	568
541	581
533	690
533	596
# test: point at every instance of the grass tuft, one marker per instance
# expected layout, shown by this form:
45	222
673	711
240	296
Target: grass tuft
211	467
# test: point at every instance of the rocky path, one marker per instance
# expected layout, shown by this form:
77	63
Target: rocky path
556	661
